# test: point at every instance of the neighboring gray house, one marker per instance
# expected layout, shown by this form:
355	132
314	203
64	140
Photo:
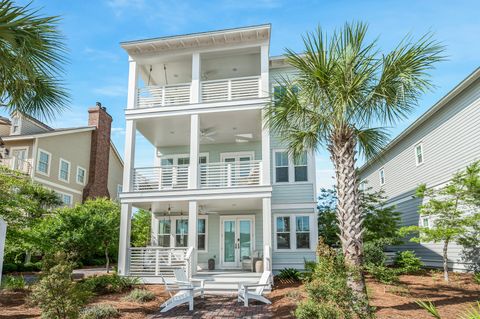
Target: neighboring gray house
440	143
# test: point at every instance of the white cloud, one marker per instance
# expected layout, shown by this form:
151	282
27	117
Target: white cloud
111	90
95	54
118	130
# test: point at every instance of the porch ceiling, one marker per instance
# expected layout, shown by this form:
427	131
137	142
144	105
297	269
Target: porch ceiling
216	128
210	206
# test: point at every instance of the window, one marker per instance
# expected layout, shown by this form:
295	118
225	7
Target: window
293	232
419	154
283	232
381	174
119	189
281	167
202	234
67	199
363	186
425	222
303	232
43	165
181	233
300	164
15	125
164	228
64	170
81	172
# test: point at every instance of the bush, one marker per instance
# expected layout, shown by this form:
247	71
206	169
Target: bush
106	284
100	312
373	254
140	295
9	267
289	274
14	283
408	262
309	309
57	295
476	278
37	266
383	274
309	269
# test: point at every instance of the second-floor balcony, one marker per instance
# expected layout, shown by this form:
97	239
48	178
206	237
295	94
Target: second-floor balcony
210	91
18	164
211	175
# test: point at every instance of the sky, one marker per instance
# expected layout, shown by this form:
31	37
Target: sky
97	69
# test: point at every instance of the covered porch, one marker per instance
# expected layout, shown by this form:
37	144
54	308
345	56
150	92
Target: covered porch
231	240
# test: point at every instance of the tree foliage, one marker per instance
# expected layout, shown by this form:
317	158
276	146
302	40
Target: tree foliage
141	225
453	211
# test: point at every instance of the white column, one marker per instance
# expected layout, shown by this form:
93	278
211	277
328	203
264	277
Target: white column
3	235
132	83
129	162
196	77
192	233
267	232
124	242
265	151
194	150
154	230
264	69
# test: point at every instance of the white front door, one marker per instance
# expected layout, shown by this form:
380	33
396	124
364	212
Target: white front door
236	240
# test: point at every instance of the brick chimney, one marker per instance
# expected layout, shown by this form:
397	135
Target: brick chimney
99	152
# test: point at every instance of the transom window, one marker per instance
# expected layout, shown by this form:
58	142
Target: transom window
289	169
43	164
64	170
293	232
419	154
81	173
173	232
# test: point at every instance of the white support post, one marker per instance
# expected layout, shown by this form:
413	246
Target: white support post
3	236
267	232
132	83
264	71
154	230
196	72
265	178
124	242
130	131
192	234
194	151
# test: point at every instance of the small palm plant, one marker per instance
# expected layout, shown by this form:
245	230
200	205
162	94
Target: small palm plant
472	313
342	90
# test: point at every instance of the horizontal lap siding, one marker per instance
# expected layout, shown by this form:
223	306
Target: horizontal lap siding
295	260
293	193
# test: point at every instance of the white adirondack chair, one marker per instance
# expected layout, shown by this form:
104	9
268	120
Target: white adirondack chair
244	294
178	296
182	280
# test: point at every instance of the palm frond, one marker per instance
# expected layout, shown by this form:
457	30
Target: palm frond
371	141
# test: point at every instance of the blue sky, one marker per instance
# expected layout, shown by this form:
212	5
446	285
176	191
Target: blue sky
97	70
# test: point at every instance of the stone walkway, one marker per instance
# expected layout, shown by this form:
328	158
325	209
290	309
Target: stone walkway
213	307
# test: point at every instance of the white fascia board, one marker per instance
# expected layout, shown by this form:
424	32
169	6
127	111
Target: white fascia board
47	134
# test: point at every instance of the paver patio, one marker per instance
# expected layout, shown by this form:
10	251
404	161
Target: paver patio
214	306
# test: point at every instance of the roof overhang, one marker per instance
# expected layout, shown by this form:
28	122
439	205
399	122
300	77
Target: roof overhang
46	134
258	33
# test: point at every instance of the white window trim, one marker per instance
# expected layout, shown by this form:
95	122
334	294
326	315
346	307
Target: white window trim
415	153
38	162
293	232
291	168
173	220
363	185
380	176
68	195
251	154
62	160
20	124
429	220
84	177
175	157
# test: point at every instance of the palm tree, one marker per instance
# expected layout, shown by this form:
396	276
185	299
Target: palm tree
31	57
342	96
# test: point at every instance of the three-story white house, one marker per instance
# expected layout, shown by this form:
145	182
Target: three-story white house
221	187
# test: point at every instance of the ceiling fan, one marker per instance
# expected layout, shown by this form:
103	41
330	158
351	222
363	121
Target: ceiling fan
207	134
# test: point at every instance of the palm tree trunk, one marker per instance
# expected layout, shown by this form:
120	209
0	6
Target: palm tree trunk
445	260
342	151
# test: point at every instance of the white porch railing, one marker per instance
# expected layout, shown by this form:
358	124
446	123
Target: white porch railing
231	89
160	178
153	96
230	174
18	164
158	261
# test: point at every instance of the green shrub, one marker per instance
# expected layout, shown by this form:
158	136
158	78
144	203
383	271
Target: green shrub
383	274
100	312
9	267
476	278
140	295
289	274
472	313
14	283
57	295
106	284
408	262
310	309
32	266
309	270
373	254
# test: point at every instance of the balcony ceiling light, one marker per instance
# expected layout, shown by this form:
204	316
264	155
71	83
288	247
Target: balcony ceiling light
234	69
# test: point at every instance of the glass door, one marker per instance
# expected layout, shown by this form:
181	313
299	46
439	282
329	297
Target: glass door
237	240
238	169
19	159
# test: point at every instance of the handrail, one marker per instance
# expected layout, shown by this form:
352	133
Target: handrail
157	261
18	164
239	78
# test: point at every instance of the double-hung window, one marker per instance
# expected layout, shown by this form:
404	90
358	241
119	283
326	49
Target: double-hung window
64	170
289	168
281	167
300	167
173	232
419	154
81	173
43	164
293	232
15	125
164	228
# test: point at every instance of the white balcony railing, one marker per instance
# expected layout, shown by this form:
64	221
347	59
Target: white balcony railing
231	89
160	178
18	164
156	261
153	96
225	174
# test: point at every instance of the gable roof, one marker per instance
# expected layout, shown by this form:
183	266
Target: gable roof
34	121
472	77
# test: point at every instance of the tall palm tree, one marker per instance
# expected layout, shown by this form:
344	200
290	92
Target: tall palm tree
32	53
343	94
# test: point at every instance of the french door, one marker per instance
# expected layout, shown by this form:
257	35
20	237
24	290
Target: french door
239	167
237	240
19	156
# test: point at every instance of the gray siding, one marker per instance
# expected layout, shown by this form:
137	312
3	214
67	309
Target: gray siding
291	193
450	142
